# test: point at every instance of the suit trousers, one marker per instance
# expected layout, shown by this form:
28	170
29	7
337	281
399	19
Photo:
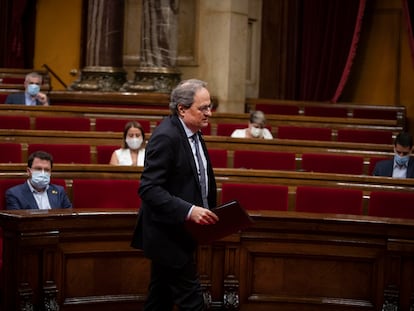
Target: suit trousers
174	286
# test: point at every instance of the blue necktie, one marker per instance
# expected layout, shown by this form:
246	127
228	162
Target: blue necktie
201	169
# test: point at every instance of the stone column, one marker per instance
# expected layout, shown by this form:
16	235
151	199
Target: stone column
103	45
157	71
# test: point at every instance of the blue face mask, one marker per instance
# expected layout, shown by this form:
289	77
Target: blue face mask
40	179
33	89
401	161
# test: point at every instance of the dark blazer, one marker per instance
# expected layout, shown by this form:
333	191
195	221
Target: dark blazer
385	168
169	186
21	197
19	99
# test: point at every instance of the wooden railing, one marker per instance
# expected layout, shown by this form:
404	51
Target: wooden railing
367	184
156	115
299	147
82	260
350	110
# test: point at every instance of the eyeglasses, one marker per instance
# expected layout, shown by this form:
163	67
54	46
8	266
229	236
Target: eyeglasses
205	108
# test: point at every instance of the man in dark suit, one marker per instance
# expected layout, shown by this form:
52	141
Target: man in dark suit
32	95
402	165
37	192
173	187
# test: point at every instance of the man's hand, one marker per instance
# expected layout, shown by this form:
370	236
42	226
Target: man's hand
203	216
42	98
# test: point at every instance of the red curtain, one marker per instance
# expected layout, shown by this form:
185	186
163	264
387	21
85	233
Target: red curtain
408	9
18	30
330	33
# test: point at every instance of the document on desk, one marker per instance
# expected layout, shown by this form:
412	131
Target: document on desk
232	218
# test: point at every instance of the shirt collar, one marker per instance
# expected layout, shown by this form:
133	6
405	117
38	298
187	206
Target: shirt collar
188	132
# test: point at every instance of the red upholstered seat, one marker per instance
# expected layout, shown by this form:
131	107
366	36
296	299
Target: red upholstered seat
365	136
65	153
62	123
328	200
226	129
269	160
367	113
104	153
106	193
13	80
393	204
10	153
218	158
304	133
118	125
256	196
282	109
15	122
3	98
326	111
333	163
373	161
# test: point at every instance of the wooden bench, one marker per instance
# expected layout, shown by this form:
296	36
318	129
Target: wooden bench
293	180
350	110
285	261
97	140
239	119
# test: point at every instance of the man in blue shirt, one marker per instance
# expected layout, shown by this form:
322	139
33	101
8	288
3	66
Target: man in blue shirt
402	165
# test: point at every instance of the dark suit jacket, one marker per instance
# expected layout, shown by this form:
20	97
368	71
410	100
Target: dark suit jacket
169	187
19	99
385	168
20	197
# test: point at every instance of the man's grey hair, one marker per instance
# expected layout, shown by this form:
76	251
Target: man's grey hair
184	93
33	75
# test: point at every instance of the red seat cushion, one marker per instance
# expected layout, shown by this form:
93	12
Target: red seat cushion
328	200
62	123
15	122
118	125
226	129
218	158
106	193
104	153
393	204
304	133
333	163
256	196
365	136
65	153
10	153
270	160
280	109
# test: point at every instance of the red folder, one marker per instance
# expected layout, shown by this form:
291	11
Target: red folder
232	218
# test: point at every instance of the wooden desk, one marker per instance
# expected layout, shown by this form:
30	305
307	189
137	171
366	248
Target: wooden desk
81	260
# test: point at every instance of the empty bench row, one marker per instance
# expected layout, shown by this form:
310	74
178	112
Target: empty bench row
309	108
373	136
221	158
123	194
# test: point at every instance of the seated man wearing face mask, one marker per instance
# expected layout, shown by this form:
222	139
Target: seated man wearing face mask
37	192
133	148
402	165
256	127
32	95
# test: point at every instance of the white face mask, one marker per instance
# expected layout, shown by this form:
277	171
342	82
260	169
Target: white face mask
256	132
40	179
134	142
